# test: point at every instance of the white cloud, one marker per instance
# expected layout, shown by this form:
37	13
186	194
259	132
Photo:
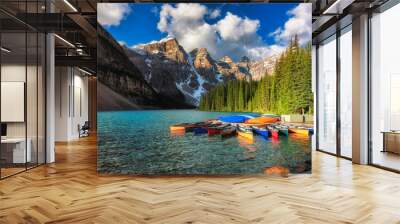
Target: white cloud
183	14
299	23
233	27
186	23
215	14
231	35
111	14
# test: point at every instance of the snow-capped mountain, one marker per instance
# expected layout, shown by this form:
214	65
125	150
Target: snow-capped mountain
121	85
172	71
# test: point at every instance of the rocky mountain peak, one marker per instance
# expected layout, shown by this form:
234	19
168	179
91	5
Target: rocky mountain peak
263	67
171	43
202	59
168	47
201	50
226	59
173	72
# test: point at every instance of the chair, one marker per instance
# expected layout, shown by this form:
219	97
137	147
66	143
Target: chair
84	130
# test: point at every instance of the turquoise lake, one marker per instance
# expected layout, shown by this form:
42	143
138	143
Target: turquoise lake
140	143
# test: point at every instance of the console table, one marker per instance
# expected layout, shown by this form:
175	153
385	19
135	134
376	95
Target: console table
19	155
391	141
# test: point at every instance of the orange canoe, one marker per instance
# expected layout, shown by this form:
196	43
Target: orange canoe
262	120
177	128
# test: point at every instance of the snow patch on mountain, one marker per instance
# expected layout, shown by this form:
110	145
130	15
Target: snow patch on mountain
200	89
140	46
188	96
140	51
148	62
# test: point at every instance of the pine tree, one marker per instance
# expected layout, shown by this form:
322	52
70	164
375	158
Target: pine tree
287	90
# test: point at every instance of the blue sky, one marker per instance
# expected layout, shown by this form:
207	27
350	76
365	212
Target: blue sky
254	30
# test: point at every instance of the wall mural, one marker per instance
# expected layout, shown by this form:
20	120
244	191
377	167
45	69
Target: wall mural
204	89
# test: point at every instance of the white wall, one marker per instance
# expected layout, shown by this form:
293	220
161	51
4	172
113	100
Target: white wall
80	112
71	102
10	73
13	100
13	72
33	126
17	73
62	82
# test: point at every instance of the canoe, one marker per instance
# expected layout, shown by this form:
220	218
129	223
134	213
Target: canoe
245	132
216	129
282	130
261	131
262	120
188	127
228	132
235	118
177	128
274	131
300	131
200	130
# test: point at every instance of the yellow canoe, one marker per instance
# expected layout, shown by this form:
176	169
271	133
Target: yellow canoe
300	131
262	120
248	135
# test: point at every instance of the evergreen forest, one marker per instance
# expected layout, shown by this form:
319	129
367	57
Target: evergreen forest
286	91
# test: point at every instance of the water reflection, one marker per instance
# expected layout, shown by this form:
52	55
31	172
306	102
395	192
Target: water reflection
130	144
277	170
177	133
245	142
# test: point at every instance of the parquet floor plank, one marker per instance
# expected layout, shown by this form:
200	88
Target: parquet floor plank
71	191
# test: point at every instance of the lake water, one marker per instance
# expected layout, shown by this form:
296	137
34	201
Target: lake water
139	142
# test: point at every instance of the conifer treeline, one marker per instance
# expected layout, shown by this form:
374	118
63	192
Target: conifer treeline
287	91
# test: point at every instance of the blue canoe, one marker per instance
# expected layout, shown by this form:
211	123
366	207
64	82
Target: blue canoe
235	118
261	131
200	130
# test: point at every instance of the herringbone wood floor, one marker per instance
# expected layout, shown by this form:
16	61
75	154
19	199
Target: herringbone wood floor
70	191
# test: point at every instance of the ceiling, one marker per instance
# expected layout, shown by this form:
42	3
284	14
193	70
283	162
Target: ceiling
75	22
330	15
